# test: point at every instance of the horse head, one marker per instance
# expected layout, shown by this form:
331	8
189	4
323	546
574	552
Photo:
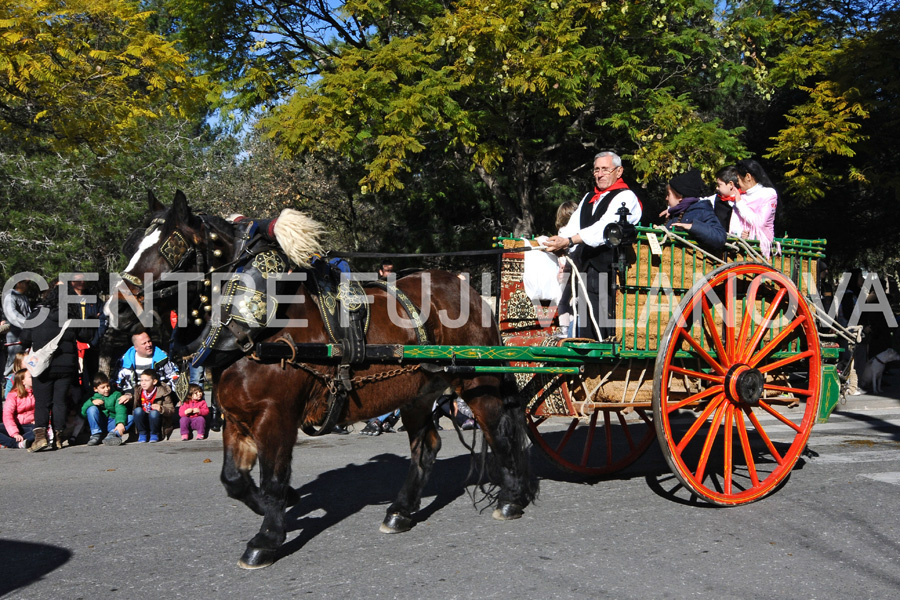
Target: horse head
169	265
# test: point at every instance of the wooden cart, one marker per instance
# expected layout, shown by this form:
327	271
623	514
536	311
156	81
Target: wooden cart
722	362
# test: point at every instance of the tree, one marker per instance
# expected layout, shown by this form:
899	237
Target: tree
87	72
520	93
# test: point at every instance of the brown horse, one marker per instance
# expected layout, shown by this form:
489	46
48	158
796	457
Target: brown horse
264	404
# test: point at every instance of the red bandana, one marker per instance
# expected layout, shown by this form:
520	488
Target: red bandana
618	185
147	399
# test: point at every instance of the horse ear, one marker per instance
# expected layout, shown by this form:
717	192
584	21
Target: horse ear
154	204
180	207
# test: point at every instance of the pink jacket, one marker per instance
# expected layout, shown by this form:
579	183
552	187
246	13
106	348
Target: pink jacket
201	404
755	212
17	411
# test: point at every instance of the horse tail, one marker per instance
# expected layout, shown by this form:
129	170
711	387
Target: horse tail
503	473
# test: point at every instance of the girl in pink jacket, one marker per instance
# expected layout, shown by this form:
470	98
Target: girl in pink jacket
754	211
17	430
193	413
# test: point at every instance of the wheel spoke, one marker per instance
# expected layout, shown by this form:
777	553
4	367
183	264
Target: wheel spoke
609	441
710	323
697	374
787	390
703	353
774	343
784	361
730	321
625	429
568	436
764	326
727	465
539	419
747	317
698	423
769	409
745	445
765	437
590	440
710	441
716	389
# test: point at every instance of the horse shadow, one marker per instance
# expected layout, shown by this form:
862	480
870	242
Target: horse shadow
340	493
27	562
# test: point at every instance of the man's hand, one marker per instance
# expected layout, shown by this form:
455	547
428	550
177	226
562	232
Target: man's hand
556	244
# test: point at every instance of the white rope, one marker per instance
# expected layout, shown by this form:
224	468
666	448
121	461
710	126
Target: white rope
575	298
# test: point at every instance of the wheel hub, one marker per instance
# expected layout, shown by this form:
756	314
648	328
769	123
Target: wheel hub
744	384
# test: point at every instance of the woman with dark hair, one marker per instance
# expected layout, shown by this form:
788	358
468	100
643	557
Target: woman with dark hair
754	212
51	387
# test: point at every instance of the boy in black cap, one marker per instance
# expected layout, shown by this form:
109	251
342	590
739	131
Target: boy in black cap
686	212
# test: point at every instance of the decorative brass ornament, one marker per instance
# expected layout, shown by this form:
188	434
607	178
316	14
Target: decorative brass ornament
269	263
174	249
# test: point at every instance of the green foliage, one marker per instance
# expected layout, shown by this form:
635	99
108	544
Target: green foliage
86	72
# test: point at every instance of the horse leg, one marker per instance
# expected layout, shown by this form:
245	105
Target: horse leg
240	456
275	435
424	444
502	422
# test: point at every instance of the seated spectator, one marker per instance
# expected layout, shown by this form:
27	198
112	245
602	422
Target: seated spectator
107	413
687	212
9	380
383	424
145	355
17	429
754	212
152	405
193	413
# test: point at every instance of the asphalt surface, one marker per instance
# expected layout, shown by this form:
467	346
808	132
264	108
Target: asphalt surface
153	521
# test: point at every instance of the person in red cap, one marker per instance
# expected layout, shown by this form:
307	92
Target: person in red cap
688	213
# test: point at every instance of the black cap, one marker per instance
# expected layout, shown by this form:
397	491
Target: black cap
689	184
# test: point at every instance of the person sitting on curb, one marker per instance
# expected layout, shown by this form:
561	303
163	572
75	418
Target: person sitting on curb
152	406
107	413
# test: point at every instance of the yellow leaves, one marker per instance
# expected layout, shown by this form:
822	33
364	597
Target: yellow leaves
88	70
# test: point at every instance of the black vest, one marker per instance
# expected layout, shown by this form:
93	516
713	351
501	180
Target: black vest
602	256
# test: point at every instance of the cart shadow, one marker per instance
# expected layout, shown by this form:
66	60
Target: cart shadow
27	562
655	470
335	495
880	425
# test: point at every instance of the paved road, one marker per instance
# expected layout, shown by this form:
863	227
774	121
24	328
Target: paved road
152	521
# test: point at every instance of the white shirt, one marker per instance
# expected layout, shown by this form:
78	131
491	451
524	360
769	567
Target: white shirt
593	234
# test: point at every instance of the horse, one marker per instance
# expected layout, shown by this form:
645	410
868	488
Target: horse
264	404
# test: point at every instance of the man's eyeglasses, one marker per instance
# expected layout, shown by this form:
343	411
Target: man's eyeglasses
605	170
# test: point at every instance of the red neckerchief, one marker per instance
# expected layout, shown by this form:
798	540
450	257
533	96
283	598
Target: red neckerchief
147	399
731	199
618	185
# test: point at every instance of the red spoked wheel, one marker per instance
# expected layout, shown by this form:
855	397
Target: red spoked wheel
737	382
593	424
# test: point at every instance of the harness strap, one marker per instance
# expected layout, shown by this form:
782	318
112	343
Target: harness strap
411	309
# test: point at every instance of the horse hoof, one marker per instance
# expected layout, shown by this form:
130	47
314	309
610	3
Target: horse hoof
395	523
256	558
508	512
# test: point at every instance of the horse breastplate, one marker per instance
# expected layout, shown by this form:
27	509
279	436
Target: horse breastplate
245	306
